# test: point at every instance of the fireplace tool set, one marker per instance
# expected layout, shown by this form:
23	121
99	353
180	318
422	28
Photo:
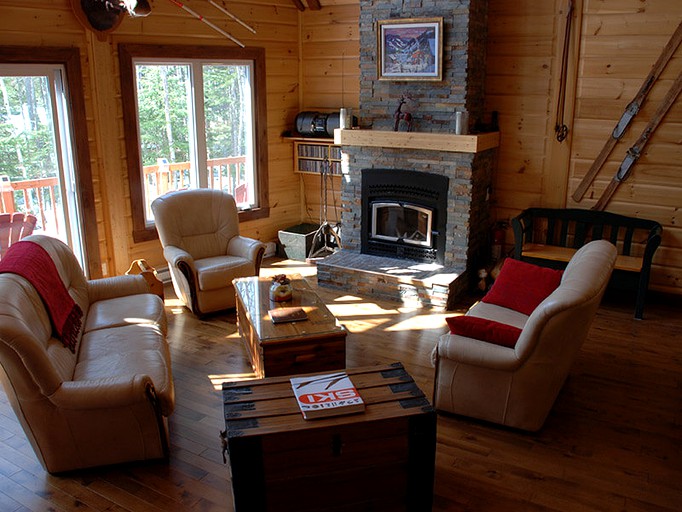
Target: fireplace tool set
325	233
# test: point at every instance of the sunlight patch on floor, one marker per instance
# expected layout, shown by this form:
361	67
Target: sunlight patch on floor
423	322
349	298
359	310
175	305
363	324
288	267
217	380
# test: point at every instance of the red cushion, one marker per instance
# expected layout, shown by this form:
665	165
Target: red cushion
522	286
485	330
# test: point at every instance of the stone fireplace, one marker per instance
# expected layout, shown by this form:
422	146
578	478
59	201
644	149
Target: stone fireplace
398	263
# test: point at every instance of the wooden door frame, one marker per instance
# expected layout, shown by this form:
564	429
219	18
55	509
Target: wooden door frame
71	60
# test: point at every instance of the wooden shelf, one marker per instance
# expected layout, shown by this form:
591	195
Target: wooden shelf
301	138
418	140
309	155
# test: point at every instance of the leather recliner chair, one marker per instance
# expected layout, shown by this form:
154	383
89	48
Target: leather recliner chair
199	232
518	386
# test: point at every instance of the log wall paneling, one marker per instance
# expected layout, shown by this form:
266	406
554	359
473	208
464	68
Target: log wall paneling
616	43
520	65
330	53
32	23
619	45
311	61
109	165
313	199
330	79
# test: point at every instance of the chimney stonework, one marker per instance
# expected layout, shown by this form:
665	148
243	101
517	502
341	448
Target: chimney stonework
433	105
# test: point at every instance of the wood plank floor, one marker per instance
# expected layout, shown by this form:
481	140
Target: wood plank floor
613	441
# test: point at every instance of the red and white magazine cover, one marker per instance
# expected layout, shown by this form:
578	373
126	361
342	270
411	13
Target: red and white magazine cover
326	395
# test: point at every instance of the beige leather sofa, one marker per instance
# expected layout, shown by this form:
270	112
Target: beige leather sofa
107	402
199	232
518	386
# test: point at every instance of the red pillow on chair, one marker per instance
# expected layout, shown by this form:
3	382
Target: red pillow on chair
522	286
485	330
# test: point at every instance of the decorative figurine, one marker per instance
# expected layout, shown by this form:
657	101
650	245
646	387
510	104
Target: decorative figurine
399	115
281	289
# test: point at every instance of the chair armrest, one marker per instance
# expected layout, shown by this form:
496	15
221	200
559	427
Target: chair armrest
244	247
176	257
519	226
652	243
477	353
117	286
105	393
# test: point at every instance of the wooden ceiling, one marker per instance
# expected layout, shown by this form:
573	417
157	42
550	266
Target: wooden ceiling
314	5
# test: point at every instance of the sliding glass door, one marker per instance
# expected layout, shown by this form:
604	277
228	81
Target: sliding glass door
36	154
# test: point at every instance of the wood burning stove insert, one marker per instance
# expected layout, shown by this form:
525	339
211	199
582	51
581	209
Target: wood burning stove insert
404	214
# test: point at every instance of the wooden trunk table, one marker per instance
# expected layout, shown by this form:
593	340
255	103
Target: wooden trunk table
381	459
316	344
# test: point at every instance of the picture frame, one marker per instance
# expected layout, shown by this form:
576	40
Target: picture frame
410	49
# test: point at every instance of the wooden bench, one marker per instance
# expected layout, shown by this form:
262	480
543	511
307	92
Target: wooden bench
550	236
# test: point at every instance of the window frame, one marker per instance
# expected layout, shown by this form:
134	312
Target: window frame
127	53
70	59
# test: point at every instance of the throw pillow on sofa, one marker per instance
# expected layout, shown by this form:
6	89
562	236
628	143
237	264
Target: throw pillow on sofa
522	286
484	329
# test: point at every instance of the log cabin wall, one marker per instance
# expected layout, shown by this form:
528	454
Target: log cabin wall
330	79
613	45
37	23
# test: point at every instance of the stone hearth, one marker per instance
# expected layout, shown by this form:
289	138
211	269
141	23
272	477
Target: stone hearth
467	228
425	284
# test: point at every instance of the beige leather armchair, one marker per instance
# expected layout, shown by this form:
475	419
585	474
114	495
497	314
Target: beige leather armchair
518	386
108	401
199	232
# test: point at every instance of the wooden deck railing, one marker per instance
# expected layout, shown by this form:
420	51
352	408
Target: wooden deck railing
40	196
35	193
224	174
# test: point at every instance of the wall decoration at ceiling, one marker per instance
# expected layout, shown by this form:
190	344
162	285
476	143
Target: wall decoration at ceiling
103	16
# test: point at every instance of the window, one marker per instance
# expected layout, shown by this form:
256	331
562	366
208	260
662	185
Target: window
44	170
36	162
194	117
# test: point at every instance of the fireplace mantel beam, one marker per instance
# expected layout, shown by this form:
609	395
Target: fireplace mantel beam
418	140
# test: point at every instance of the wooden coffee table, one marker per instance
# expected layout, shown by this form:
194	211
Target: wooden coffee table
314	345
382	459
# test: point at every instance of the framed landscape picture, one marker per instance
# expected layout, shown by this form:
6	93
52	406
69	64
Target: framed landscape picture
410	49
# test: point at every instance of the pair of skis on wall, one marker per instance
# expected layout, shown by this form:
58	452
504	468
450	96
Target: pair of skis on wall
630	112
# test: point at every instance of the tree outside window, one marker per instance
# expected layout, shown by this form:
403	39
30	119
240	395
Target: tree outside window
194	123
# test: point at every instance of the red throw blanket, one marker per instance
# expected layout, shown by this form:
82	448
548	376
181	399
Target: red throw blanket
32	262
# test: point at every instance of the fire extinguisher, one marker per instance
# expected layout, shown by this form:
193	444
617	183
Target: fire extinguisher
498	234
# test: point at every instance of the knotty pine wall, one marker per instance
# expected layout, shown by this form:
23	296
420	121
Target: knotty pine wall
613	46
615	43
40	23
311	54
330	79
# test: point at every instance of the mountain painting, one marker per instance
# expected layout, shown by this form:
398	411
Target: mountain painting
410	50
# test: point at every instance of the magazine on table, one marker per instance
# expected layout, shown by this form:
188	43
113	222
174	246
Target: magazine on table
320	396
